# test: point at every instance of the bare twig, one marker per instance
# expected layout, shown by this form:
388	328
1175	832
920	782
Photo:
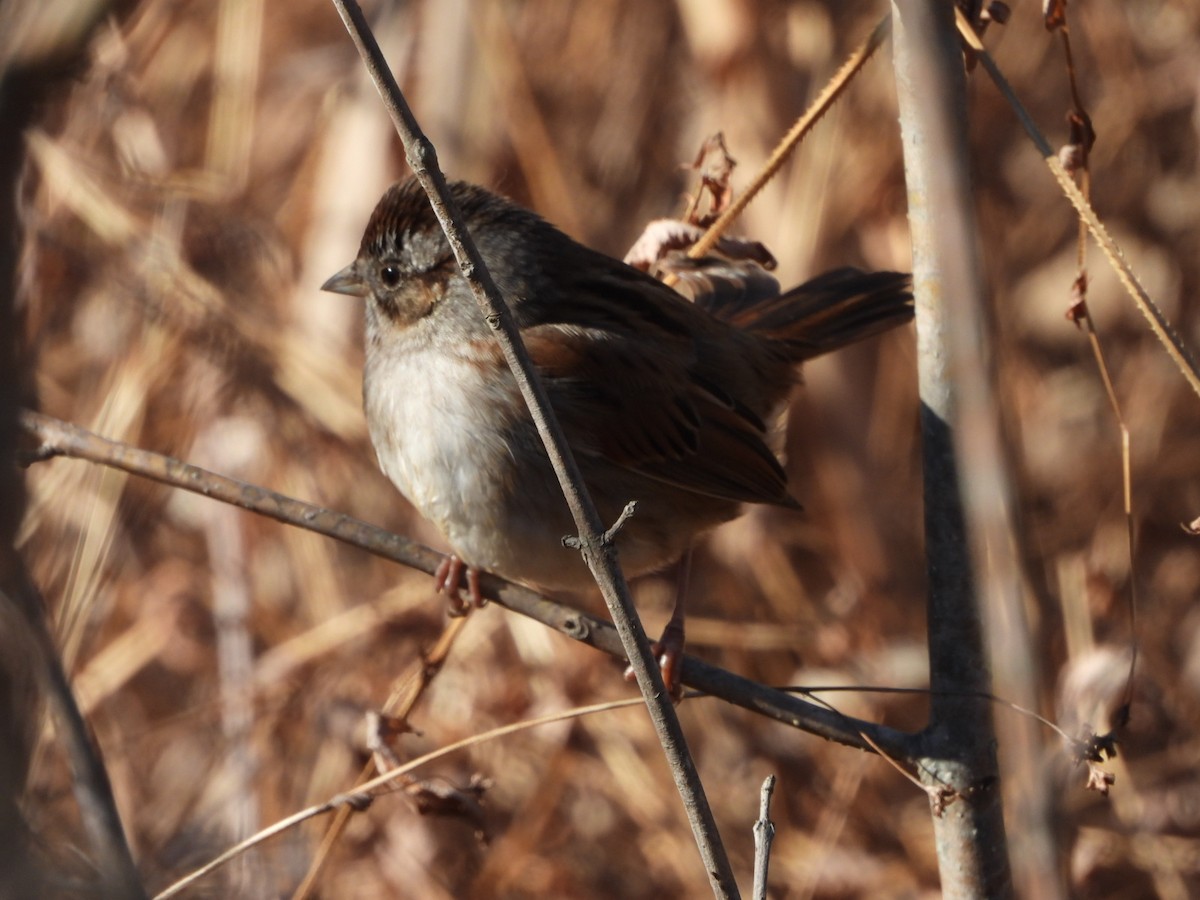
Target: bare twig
408	690
362	796
813	690
833	89
1083	136
58	438
356	800
90	781
1162	328
1042	842
764	835
1127	496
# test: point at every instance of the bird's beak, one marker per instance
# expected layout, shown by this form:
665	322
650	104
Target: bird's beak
348	282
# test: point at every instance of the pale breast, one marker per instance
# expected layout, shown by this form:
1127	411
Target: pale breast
454	437
460	446
423	413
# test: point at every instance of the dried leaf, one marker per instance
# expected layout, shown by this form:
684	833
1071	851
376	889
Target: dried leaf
433	798
715	166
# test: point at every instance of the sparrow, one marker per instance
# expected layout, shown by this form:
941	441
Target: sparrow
665	399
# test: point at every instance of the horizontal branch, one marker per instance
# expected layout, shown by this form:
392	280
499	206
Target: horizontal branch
57	438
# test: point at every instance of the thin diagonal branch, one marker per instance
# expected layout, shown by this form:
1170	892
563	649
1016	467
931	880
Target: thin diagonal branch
828	96
363	795
599	555
1159	324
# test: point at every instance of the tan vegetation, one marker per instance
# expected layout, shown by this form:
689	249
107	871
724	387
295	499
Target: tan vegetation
213	163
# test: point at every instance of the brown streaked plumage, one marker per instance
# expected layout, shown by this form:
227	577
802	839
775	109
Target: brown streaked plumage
664	400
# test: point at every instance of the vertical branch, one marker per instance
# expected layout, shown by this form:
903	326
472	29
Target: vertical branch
764	836
18	719
963	471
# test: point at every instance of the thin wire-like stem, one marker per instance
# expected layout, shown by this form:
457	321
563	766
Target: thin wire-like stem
1127	496
408	690
362	796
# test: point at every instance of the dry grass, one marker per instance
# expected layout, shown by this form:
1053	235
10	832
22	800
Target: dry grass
216	161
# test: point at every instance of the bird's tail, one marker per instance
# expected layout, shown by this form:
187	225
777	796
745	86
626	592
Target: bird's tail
824	314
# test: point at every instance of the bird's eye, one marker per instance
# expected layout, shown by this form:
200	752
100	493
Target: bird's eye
390	275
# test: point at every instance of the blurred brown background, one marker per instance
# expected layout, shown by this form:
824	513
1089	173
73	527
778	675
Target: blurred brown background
212	163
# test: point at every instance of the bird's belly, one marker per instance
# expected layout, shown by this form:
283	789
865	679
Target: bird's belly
450	440
485	481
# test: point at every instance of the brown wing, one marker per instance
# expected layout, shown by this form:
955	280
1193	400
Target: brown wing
635	401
